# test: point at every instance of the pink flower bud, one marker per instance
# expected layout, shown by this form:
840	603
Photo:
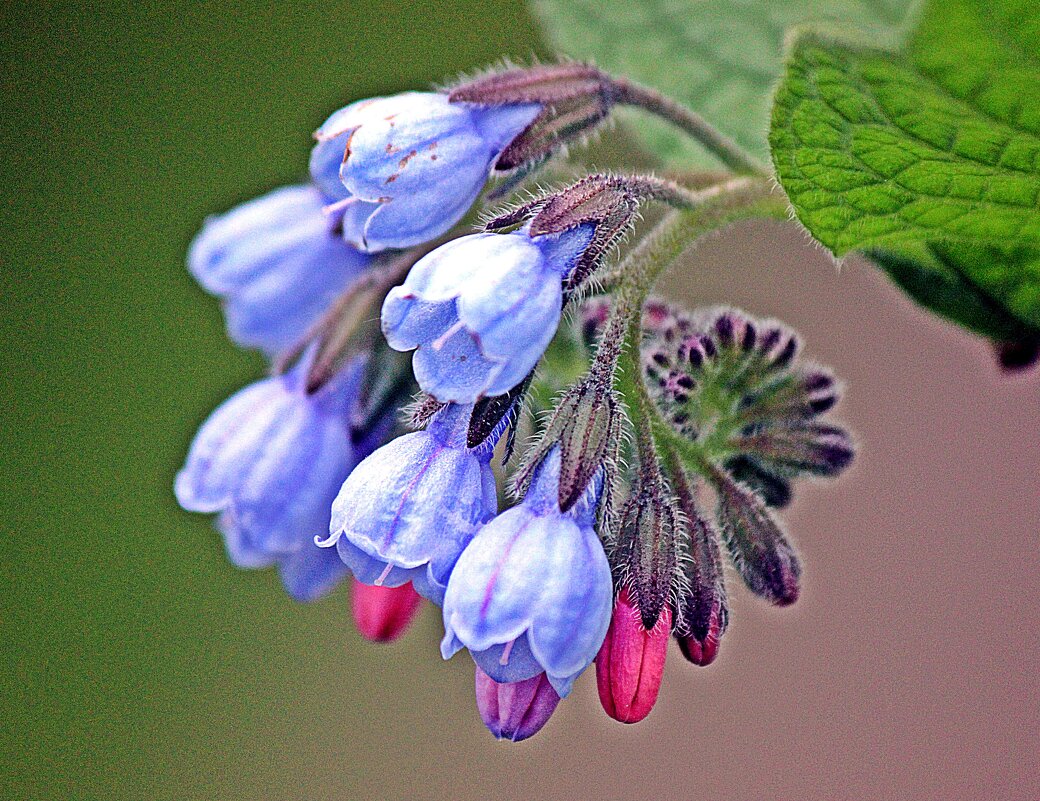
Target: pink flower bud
382	614
515	710
631	661
703	650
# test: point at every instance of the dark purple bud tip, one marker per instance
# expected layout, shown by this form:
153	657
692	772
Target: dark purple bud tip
515	710
1020	354
725	328
783	571
822	404
770	339
701	648
748	341
786	353
817	382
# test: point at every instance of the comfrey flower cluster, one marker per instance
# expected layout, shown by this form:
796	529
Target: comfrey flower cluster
602	551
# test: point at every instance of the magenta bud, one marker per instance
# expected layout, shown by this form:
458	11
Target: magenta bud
382	614
631	661
515	710
702	648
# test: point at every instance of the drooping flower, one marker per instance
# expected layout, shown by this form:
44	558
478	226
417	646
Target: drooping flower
403	169
407	511
269	461
276	265
381	614
532	593
515	710
480	310
630	663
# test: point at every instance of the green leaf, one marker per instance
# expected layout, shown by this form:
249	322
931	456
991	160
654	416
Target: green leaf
721	58
930	160
871	152
936	276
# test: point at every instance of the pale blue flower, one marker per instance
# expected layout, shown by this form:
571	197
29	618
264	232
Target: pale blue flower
406	168
276	264
407	511
269	461
532	592
481	309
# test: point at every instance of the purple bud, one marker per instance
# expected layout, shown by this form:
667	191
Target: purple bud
515	710
702	613
770	339
724	329
701	649
1019	354
774	489
798	448
758	548
787	352
648	546
748	342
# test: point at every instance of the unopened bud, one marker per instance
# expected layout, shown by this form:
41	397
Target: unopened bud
515	710
648	547
574	99
703	613
774	489
630	663
701	648
585	426
799	448
758	548
382	614
608	203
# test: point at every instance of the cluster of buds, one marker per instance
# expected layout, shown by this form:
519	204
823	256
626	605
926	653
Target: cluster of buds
368	300
746	408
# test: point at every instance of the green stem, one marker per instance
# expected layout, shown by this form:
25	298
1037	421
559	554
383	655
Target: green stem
714	141
634	278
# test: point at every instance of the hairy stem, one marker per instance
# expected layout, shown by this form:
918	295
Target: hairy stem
714	141
635	276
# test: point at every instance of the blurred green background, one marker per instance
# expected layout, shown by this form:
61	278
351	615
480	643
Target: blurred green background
138	664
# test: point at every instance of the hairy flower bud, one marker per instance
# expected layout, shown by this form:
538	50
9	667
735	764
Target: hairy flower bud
647	554
607	203
515	710
799	448
631	660
573	99
382	614
758	548
585	425
703	613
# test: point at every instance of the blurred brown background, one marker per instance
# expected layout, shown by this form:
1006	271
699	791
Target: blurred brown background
138	664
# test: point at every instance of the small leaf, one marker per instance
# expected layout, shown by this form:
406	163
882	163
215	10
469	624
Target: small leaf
720	58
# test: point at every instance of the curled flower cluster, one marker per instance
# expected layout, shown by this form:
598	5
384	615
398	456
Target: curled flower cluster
595	558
